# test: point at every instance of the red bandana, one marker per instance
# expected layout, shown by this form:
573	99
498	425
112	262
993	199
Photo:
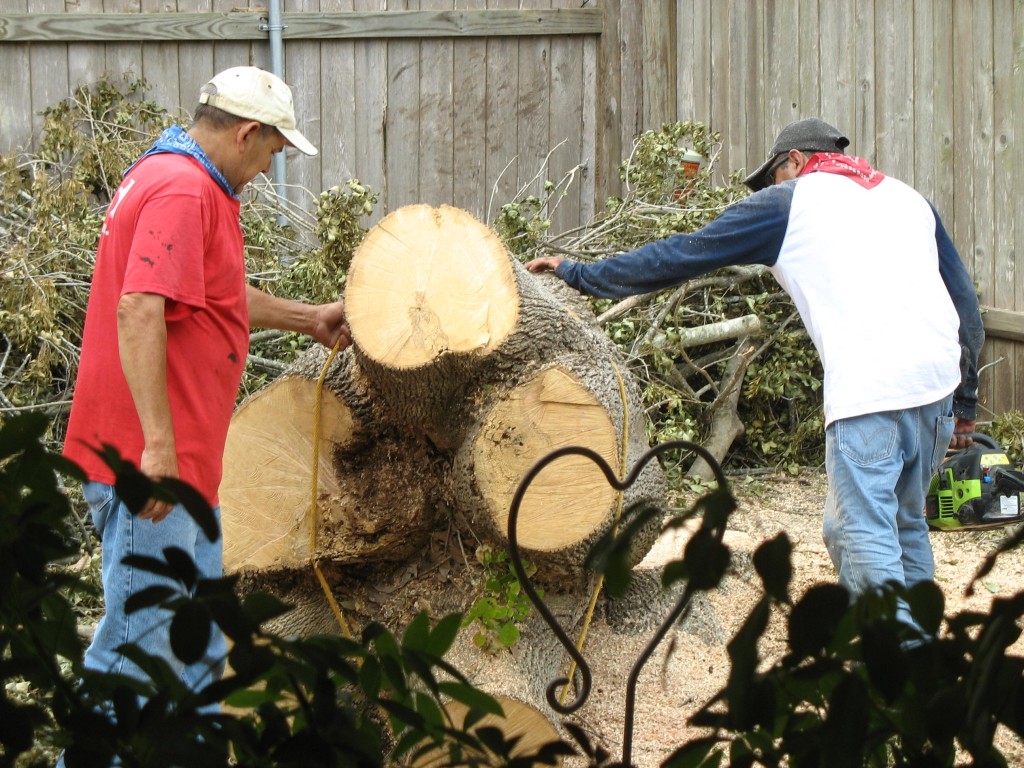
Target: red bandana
851	167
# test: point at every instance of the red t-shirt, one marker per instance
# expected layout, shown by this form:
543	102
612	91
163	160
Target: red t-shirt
170	230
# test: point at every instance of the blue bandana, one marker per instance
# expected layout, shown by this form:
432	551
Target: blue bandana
175	141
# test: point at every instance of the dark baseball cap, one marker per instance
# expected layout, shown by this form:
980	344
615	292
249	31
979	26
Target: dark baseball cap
810	134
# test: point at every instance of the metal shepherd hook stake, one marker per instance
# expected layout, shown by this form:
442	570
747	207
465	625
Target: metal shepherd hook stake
583	689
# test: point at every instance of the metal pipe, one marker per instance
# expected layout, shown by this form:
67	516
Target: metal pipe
274	29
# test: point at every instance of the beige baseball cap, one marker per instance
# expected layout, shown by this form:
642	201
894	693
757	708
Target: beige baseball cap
256	94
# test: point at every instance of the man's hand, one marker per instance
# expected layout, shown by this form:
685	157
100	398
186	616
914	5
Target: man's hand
158	464
331	325
544	263
960	431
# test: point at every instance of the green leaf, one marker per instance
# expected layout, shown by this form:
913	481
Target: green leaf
927	605
508	634
845	731
195	505
182	565
190	632
148	598
417	634
706	560
429	710
444	634
772	563
370	678
815	618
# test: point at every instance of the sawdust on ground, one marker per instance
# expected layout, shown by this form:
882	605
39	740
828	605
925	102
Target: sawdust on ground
691	665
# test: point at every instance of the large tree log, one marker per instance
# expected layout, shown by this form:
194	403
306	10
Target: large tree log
464	371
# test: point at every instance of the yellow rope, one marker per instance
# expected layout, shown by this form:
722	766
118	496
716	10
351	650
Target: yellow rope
623	457
317	409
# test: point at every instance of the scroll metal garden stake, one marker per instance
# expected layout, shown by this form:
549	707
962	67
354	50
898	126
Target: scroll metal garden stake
677	612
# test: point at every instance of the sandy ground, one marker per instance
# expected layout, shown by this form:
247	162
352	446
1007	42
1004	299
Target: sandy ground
691	664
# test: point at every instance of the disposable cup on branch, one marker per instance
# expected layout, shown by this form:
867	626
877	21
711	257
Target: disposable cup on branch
690	165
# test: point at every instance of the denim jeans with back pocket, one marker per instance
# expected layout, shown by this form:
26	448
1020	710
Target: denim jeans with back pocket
879	468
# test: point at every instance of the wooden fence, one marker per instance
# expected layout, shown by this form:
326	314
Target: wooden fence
473	102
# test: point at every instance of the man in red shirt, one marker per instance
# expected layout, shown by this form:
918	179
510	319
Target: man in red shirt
165	343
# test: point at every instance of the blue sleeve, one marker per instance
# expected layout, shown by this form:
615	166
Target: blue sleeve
749	232
972	332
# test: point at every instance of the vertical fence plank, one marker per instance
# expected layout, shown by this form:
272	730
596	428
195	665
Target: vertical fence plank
338	85
47	74
980	130
370	86
838	87
230	53
862	133
565	118
925	148
722	67
963	126
123	60
195	60
964	151
590	134
437	115
608	102
159	65
941	183
470	121
86	61
748	30
502	125
302	73
1011	166
658	20
631	36
17	104
809	54
533	105
895	104
402	126
782	74
1004	274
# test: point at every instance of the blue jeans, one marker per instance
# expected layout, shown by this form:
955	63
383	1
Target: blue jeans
879	467
124	534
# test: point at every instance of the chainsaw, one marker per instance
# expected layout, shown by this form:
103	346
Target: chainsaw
975	487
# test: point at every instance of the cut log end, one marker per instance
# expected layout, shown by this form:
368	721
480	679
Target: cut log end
428	281
265	494
570	498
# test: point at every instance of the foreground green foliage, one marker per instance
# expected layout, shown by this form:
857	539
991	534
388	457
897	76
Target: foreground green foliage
856	687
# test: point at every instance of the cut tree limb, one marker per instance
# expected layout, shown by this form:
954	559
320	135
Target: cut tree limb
711	333
726	425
